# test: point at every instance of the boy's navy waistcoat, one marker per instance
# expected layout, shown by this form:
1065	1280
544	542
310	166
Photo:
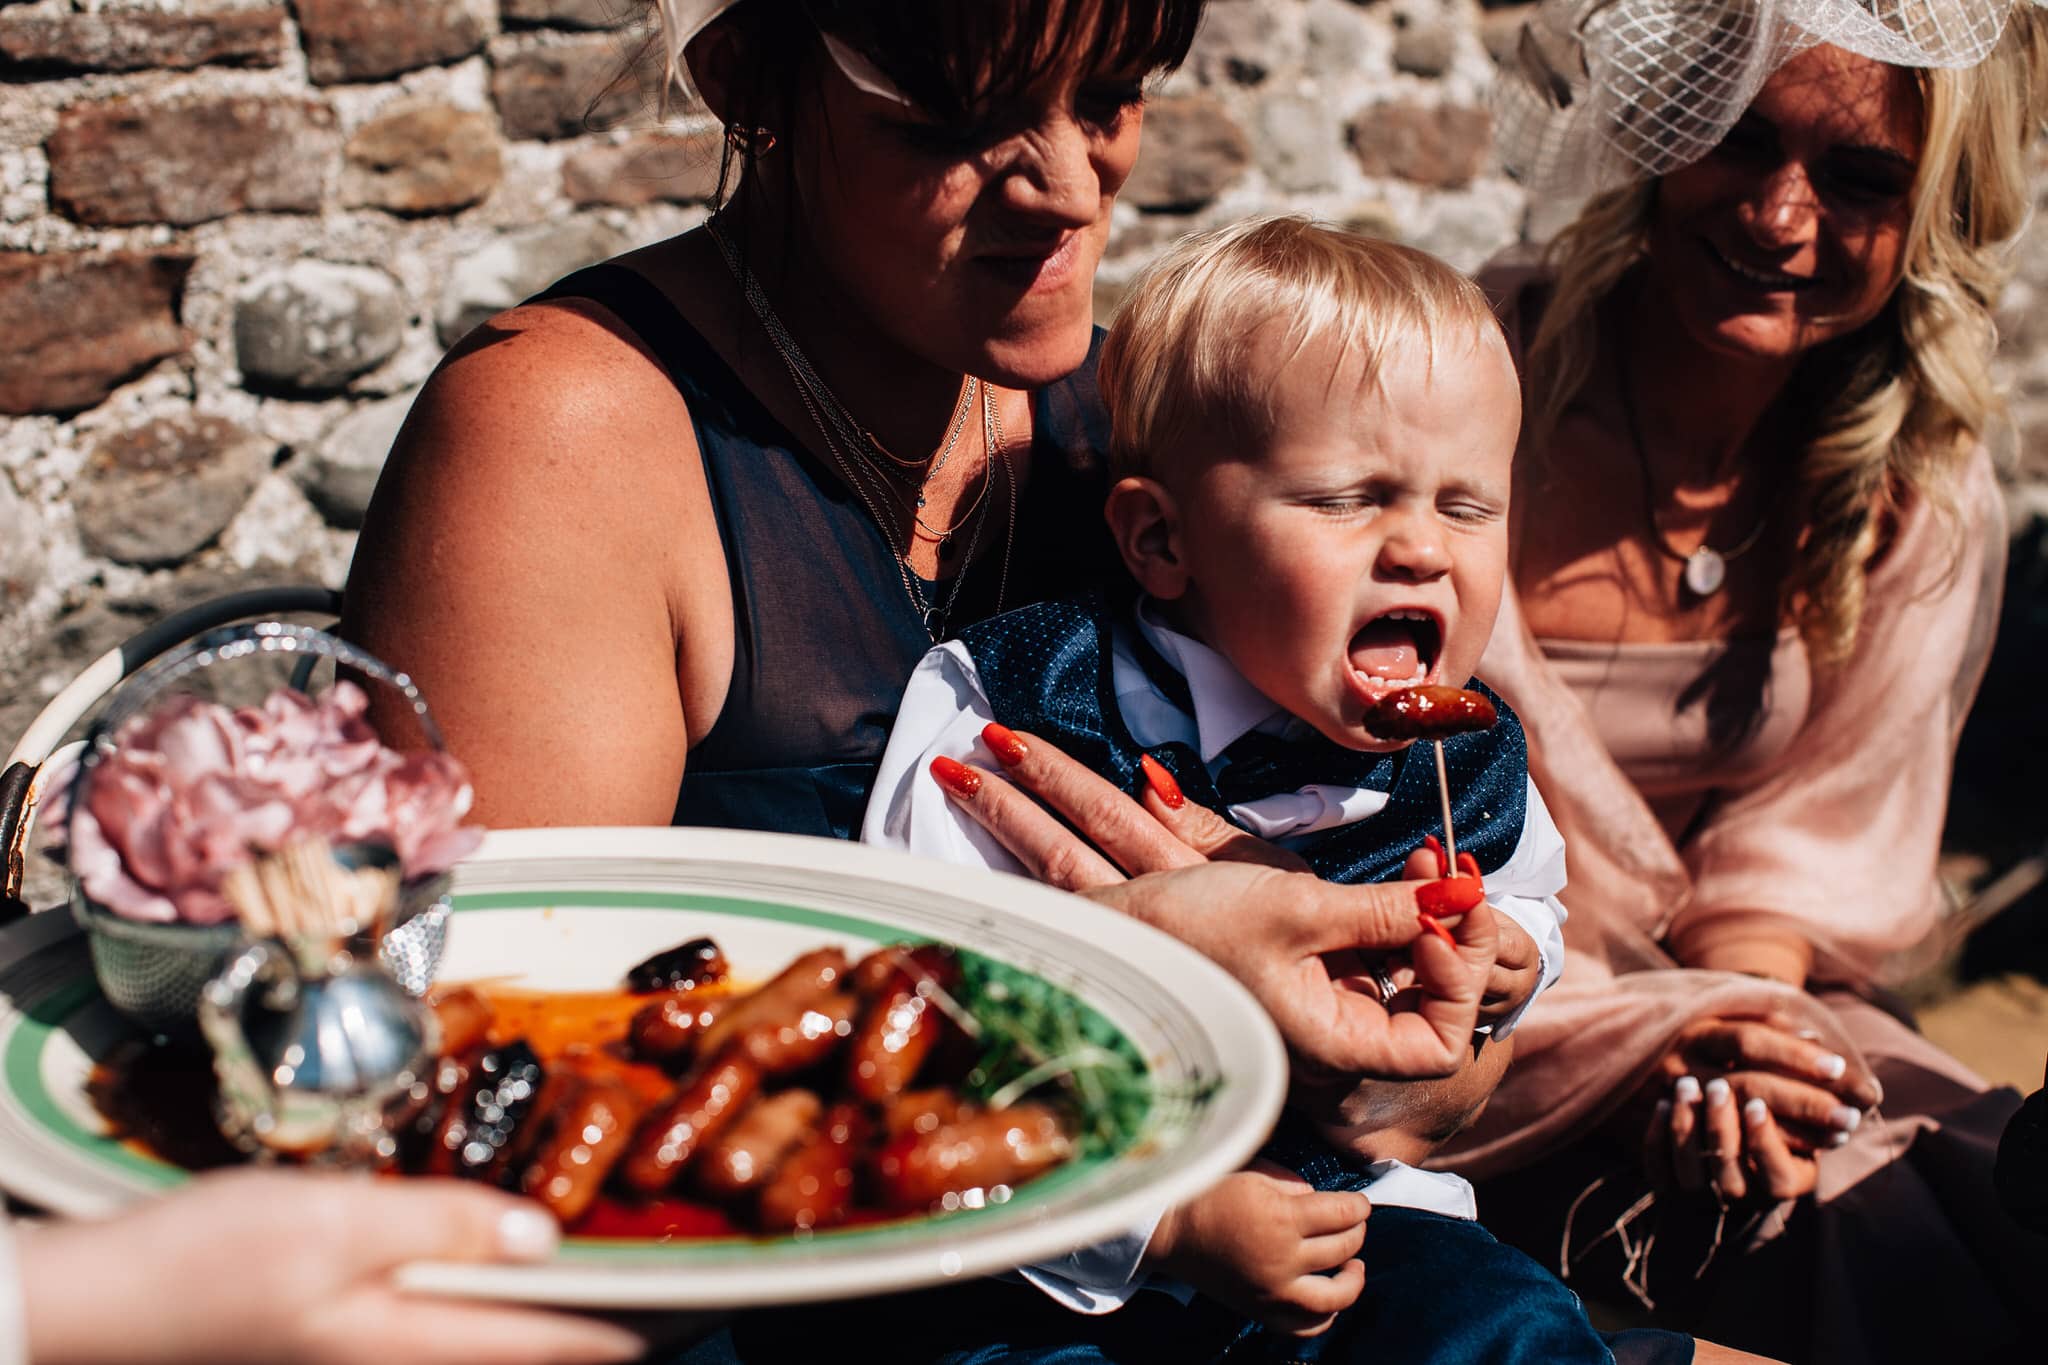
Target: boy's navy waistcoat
1046	669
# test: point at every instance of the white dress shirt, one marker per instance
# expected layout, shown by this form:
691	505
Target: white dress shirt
944	709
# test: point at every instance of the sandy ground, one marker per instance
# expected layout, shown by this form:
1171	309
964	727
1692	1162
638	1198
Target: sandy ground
1999	1026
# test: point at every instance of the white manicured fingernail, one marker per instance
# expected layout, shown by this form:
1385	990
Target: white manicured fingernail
1687	1091
1838	1139
1846	1119
528	1234
1832	1065
1718	1093
1755	1113
1811	1035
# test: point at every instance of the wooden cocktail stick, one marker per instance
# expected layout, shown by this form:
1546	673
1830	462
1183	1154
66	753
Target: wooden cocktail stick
1443	792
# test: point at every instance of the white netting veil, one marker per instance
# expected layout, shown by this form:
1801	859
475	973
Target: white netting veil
1601	93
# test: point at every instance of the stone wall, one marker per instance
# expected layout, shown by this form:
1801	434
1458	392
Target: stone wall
235	235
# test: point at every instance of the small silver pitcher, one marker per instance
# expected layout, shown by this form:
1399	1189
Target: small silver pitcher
319	1052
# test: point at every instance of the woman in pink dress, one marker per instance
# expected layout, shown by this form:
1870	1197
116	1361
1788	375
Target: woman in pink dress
1757	560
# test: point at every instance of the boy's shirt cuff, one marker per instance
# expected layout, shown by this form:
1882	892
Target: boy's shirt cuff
1102	1278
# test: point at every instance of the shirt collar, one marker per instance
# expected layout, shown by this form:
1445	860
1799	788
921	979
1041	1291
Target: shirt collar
1227	707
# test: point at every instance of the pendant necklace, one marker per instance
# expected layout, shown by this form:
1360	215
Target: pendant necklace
1706	568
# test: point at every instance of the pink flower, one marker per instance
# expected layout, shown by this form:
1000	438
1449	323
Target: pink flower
192	790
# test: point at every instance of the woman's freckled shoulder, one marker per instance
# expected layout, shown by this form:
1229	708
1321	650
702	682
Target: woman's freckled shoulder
545	428
561	379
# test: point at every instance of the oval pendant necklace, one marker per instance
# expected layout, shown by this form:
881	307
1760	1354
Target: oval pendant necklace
1706	568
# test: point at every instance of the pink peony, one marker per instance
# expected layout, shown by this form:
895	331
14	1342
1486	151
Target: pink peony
192	790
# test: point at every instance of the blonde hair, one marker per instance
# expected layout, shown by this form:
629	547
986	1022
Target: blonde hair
1179	358
1907	396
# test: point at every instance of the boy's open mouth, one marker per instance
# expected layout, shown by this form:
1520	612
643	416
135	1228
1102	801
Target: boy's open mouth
1396	649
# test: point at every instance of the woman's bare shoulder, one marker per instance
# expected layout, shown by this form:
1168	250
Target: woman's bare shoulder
539	552
550	378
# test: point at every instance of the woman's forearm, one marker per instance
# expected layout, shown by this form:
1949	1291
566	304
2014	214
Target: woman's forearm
1755	945
1407	1120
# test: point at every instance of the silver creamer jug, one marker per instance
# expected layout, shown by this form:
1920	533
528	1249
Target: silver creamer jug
319	1052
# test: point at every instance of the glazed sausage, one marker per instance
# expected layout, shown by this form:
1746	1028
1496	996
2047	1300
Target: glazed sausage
464	1018
748	1153
499	1099
442	1123
902	1025
783	1000
690	1120
815	1184
1002	1147
665	1030
1429	712
783	1046
591	1132
685	967
922	1111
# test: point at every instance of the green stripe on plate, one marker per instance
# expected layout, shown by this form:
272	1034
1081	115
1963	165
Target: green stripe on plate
681	900
39	1024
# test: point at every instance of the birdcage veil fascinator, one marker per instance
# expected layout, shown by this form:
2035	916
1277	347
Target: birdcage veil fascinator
683	20
1602	93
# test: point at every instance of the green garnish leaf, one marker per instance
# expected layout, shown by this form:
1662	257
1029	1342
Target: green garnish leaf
1036	1036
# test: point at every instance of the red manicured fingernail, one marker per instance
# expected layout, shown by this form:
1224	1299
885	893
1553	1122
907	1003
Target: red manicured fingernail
1002	741
1436	851
956	777
1161	782
1450	895
1468	866
1436	928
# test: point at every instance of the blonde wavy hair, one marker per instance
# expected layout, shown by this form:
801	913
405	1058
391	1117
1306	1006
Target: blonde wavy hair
1910	393
1179	361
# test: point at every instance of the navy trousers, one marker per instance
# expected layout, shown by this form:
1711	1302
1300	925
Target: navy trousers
1438	1291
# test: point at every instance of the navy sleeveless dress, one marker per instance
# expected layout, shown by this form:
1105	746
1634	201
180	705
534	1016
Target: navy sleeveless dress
825	636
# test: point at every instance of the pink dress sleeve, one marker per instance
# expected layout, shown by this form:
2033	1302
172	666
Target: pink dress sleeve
1841	837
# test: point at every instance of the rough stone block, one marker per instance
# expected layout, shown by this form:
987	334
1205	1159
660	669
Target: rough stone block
142	40
582	85
1193	152
514	267
21	551
1300	143
368	40
675	168
74	325
190	160
1343	44
158	493
1238	42
314	325
567	13
339	474
1444	146
1425	38
423	159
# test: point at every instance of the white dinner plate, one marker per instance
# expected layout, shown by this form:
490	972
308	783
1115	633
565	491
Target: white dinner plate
571	909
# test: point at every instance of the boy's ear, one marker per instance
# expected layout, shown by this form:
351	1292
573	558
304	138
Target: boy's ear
1145	522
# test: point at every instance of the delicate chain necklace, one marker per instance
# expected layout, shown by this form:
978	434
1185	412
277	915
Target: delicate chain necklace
851	433
935	617
832	419
1706	568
